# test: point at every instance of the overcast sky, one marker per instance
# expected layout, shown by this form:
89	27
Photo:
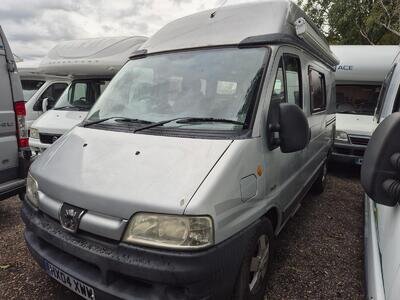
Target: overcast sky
33	27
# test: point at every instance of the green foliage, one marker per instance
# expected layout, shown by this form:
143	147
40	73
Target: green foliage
356	22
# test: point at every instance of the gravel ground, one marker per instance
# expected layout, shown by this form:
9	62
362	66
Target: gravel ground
319	254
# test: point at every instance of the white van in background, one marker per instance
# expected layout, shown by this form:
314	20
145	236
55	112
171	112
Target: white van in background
36	87
91	63
359	78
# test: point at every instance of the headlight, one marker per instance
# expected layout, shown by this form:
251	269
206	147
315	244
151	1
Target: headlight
34	133
32	190
168	231
341	136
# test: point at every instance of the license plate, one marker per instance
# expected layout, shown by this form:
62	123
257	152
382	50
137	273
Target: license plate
359	161
70	282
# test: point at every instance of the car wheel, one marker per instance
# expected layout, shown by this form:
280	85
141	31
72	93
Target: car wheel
252	279
320	183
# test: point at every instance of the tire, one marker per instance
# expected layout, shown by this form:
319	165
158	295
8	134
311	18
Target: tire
248	286
320	183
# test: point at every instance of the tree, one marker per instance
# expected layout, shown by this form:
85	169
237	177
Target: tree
356	21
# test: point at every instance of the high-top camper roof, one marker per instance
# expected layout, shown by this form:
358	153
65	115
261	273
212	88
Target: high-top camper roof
90	57
30	70
368	64
267	22
27	67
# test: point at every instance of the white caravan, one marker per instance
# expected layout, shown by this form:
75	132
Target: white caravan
91	63
358	81
36	87
380	177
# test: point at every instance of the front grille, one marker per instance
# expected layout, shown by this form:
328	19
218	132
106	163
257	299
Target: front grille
349	151
46	138
363	141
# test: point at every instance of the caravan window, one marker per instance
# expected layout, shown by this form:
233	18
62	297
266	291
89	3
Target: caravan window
356	99
317	91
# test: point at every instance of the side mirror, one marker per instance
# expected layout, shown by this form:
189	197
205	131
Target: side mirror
48	103
45	104
292	132
380	171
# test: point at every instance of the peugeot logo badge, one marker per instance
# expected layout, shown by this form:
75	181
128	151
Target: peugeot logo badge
70	217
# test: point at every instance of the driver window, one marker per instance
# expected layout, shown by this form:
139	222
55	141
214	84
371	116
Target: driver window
279	86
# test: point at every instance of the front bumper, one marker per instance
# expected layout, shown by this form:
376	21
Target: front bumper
117	270
348	153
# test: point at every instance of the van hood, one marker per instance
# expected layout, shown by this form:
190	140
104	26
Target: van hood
58	121
355	124
119	173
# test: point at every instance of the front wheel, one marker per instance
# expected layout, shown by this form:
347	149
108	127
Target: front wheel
252	279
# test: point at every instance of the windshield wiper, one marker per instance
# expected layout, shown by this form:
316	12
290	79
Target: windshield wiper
205	120
117	119
188	120
81	108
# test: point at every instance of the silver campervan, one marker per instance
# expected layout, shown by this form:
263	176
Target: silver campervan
14	151
191	161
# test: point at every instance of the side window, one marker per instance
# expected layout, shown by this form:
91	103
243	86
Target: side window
317	91
279	85
293	80
58	89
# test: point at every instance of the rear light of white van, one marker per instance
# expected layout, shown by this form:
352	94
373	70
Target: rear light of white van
22	130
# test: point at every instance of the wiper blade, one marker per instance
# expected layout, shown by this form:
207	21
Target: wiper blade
188	120
205	120
157	124
71	107
63	107
117	119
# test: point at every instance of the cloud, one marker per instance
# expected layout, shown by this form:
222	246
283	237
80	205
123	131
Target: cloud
33	27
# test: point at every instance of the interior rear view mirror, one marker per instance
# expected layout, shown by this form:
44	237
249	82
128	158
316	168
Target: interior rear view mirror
292	132
380	171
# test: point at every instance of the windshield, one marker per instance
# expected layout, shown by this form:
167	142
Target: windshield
30	87
82	94
357	99
214	84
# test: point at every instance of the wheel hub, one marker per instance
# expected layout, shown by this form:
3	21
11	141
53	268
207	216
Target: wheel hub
258	264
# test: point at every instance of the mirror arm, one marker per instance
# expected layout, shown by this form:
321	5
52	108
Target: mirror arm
395	160
274	129
392	188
